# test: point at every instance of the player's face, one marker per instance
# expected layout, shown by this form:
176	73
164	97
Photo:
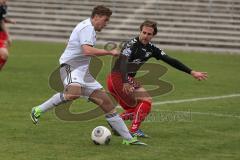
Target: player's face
146	34
100	22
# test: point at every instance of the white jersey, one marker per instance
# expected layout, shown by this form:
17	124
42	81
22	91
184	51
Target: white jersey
76	64
83	33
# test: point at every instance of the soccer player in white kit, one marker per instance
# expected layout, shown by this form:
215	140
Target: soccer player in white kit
77	80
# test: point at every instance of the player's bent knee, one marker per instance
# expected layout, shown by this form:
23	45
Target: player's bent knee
72	92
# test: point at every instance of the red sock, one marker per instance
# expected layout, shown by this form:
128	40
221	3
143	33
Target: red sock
128	114
2	63
140	113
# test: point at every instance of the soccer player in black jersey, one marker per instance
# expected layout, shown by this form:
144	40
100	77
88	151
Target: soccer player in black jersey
4	35
132	97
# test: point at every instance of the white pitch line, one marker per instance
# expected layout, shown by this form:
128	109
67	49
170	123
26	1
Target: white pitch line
204	113
212	114
193	99
196	99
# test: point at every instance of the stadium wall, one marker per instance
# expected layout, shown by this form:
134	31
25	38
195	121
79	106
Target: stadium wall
205	25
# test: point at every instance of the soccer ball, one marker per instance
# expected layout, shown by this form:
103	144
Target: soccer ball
101	135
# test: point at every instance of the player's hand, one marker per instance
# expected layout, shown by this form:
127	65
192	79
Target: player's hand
127	88
115	52
199	75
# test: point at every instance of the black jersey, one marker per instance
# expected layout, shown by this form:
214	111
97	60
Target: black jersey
3	12
134	54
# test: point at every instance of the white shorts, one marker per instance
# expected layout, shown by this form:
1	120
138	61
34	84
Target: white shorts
80	74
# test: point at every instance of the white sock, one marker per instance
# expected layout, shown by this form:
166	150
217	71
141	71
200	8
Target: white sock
54	101
118	124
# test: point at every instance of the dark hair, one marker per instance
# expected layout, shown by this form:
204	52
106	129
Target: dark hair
151	24
101	10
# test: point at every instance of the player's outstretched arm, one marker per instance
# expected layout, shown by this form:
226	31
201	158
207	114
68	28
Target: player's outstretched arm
199	75
91	51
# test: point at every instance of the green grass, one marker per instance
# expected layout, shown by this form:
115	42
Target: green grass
208	129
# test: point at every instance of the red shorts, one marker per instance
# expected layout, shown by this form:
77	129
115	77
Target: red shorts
115	87
3	39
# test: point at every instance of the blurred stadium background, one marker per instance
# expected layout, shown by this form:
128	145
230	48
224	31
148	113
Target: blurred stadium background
209	25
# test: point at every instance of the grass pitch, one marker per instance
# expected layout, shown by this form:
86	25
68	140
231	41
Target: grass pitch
203	129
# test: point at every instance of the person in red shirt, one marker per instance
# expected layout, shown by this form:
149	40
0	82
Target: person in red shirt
5	40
